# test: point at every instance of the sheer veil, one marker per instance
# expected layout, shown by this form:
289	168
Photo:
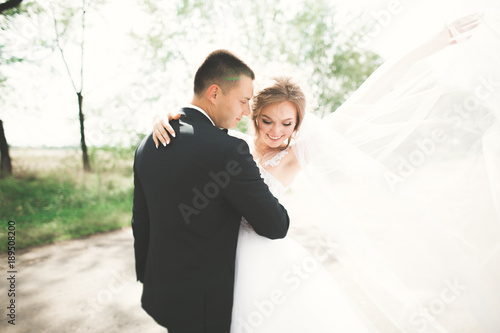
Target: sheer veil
404	185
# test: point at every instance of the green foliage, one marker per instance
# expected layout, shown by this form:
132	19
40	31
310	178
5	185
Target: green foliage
244	125
294	38
64	203
19	39
309	41
6	18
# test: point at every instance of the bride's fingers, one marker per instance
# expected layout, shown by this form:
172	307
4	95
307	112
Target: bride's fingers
160	132
170	129
166	128
155	139
166	124
165	139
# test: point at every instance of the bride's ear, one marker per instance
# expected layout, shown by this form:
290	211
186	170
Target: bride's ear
212	92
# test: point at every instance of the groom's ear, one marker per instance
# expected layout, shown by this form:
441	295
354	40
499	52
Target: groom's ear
212	93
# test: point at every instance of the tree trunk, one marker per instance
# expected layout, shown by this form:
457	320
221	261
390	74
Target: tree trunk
6	165
86	163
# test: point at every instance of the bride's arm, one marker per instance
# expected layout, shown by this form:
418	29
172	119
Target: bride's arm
161	128
383	81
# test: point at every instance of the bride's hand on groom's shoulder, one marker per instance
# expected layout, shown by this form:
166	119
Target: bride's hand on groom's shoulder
161	125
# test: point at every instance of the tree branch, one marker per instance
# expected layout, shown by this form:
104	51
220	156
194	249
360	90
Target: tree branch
9	5
83	33
62	51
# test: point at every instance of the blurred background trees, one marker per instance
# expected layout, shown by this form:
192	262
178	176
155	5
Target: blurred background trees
37	29
275	37
151	70
139	58
8	9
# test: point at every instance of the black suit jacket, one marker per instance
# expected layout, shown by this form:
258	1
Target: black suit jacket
189	199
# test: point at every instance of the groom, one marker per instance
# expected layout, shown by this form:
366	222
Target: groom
189	198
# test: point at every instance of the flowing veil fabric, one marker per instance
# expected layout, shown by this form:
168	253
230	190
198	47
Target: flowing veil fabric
405	188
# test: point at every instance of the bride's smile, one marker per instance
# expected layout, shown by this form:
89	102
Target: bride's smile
275	139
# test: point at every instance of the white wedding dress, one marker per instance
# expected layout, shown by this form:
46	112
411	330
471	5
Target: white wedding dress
405	187
281	287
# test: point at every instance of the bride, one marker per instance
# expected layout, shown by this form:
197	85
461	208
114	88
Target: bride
403	182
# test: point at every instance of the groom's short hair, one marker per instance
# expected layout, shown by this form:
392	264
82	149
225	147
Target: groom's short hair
222	68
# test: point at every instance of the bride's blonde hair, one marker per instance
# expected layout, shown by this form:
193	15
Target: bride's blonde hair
280	89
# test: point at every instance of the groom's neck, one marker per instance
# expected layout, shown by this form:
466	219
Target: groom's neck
206	106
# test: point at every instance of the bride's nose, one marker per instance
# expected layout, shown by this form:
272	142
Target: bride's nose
275	131
277	127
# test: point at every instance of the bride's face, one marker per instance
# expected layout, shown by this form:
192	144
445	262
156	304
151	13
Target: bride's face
276	123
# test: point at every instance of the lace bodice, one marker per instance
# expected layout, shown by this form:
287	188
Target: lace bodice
276	159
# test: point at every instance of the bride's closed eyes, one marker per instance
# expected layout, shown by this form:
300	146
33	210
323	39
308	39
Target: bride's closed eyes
267	122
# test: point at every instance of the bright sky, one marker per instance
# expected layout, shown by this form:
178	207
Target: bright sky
43	111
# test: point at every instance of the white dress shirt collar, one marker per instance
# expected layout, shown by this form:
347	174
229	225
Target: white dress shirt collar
201	110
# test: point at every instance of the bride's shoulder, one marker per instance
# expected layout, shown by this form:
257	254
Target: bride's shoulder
291	159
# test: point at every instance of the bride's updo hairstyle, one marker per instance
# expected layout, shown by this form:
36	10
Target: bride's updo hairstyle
278	90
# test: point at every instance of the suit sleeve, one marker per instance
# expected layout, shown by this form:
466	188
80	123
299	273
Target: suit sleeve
248	194
140	227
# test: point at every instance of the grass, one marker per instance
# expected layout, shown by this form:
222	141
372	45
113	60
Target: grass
51	199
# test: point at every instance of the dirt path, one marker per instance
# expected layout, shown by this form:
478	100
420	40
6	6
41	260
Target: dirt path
89	285
84	285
